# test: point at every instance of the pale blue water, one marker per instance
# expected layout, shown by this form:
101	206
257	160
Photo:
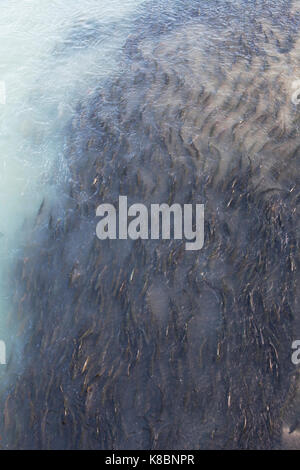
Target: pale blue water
52	55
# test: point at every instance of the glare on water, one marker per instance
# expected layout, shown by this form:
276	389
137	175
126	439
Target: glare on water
52	54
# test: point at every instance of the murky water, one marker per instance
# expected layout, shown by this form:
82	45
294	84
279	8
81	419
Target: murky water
52	55
140	345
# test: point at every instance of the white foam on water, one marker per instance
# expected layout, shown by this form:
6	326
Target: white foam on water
43	75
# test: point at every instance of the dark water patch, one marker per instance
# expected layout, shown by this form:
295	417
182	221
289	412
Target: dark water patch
159	18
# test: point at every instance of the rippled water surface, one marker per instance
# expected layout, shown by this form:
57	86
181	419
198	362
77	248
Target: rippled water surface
52	55
141	345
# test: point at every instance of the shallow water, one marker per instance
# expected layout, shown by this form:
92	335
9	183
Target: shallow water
52	55
184	100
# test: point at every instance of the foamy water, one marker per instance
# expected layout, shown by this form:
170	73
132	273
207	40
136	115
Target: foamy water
52	55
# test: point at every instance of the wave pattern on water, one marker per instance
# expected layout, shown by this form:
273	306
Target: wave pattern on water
138	344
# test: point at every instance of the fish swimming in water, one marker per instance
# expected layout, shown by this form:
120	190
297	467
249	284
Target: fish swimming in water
138	344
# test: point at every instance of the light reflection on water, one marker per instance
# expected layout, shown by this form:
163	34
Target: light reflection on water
52	54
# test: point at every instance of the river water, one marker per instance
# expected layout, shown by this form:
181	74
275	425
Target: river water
140	345
52	55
